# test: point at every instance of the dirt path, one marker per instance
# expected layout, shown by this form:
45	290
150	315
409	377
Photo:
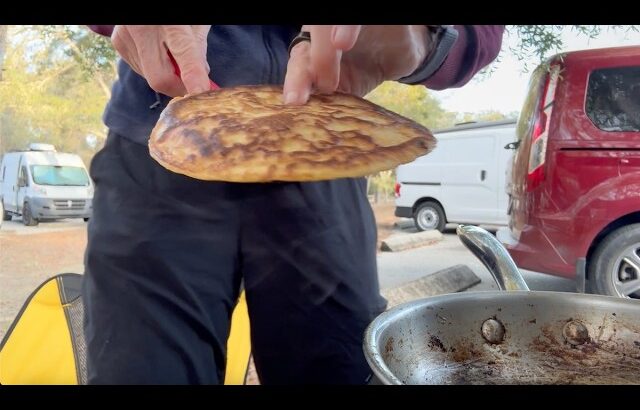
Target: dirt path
26	260
385	219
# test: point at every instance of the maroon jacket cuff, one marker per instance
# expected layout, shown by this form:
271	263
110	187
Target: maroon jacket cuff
475	48
102	30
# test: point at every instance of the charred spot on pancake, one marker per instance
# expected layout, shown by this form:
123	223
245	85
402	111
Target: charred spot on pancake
246	134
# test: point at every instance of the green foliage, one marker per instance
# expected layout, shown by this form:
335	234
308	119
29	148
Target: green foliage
55	82
57	44
381	185
488	115
412	101
542	41
52	91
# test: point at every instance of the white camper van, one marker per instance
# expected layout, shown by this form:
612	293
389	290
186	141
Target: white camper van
461	181
42	184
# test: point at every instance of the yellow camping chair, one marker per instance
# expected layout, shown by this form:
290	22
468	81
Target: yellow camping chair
45	343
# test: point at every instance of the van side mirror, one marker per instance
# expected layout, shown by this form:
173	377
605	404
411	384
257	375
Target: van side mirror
512	145
21	182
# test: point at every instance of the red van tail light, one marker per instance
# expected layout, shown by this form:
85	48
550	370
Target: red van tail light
540	132
397	189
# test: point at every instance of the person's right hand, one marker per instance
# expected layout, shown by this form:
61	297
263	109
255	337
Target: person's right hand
144	48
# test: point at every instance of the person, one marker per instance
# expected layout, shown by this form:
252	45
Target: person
166	254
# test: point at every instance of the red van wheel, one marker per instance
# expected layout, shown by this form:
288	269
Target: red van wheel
614	268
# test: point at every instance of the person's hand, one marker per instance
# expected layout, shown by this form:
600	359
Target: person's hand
352	59
144	48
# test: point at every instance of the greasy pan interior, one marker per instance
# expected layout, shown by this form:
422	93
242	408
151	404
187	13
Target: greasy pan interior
546	338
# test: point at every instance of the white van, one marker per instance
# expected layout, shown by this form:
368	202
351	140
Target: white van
42	184
461	181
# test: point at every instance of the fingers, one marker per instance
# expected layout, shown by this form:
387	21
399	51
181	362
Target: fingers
345	37
325	59
144	48
150	59
299	80
188	52
124	44
317	63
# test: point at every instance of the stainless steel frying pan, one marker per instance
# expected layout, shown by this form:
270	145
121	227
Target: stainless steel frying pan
513	336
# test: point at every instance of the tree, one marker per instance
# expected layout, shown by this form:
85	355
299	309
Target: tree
3	47
414	102
51	91
538	42
55	81
68	44
488	115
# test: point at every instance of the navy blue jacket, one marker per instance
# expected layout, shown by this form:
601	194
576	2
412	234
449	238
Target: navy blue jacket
236	54
258	55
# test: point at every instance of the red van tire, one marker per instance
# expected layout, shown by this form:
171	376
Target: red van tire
614	268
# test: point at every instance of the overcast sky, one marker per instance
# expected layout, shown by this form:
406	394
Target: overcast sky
506	88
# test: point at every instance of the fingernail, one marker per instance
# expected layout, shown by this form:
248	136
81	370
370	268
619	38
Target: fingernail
291	97
342	35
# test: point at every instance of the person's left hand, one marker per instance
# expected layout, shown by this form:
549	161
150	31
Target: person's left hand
352	59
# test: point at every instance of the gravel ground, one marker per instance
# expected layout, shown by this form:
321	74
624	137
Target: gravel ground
27	258
30	255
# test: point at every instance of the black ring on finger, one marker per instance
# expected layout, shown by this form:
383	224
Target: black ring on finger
302	36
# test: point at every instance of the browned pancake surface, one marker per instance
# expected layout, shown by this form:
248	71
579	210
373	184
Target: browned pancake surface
246	134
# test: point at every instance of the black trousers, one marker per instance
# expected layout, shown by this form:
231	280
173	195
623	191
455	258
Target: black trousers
166	254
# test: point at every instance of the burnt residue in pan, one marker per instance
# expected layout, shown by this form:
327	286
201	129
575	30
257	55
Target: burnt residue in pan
436	343
606	355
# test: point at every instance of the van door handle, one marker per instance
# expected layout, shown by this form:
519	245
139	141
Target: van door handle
483	175
512	145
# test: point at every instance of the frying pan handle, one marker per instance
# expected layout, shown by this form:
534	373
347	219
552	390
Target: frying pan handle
493	255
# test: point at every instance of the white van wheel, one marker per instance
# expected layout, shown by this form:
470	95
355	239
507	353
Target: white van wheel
429	215
27	217
6	216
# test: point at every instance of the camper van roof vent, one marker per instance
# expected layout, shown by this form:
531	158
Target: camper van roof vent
41	147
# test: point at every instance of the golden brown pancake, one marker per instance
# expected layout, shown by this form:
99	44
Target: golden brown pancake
246	134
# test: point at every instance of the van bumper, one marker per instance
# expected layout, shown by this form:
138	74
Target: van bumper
54	208
534	252
404	212
504	236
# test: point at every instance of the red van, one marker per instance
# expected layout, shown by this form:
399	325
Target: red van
574	194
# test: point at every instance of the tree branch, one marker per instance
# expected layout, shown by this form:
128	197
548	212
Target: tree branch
103	85
76	50
3	47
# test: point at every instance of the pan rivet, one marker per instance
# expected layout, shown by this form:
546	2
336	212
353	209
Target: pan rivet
575	333
493	331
